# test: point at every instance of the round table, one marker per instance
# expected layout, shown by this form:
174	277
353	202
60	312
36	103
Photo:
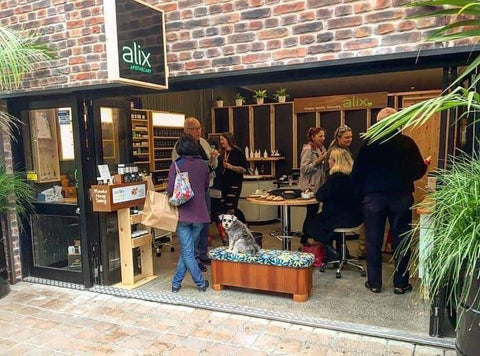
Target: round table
284	214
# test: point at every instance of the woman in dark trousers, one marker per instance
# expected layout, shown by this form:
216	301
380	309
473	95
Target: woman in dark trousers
234	167
341	207
193	214
312	171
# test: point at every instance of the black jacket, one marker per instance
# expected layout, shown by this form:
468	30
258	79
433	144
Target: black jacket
388	167
341	207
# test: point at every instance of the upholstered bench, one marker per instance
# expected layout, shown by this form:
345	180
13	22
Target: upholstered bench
270	270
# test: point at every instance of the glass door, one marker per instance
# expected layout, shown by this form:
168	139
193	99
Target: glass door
53	243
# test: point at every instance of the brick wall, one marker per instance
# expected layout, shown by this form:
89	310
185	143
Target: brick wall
218	35
9	225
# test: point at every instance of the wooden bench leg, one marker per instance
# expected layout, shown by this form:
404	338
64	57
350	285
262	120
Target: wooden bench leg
217	287
300	297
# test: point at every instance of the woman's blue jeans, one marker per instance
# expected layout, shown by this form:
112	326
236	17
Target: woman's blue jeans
188	235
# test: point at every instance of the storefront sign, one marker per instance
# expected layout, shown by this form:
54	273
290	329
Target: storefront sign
136	47
117	196
128	193
341	102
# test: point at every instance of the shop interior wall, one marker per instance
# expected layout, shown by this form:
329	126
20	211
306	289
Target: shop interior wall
197	103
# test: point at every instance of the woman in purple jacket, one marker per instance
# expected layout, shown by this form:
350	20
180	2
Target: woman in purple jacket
193	214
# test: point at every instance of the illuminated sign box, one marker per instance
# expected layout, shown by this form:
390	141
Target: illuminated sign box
136	47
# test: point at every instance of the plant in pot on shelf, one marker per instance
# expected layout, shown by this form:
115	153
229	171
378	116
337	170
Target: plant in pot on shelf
260	95
451	259
19	55
239	99
281	95
219	101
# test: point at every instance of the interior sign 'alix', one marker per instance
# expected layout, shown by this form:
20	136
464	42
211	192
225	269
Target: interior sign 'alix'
138	58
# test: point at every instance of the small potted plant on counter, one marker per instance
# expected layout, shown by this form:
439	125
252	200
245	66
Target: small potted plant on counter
281	95
260	95
239	99
219	101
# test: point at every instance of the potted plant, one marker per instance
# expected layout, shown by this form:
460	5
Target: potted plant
239	99
219	101
281	95
19	55
260	95
451	262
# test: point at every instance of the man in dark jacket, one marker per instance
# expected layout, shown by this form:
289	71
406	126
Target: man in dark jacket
383	174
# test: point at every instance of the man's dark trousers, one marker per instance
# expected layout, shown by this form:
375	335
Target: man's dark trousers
377	207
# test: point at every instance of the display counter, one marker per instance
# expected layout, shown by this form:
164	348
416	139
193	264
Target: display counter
252	212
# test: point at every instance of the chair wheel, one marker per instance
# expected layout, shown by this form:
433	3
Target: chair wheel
363	273
322	269
338	275
172	249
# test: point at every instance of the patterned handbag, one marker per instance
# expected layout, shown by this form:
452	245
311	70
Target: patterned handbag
182	190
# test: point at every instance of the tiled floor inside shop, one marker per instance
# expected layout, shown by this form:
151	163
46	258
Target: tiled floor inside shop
342	300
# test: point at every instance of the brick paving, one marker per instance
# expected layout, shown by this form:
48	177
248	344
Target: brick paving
45	320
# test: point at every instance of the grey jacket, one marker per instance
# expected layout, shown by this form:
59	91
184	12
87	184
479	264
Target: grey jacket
311	176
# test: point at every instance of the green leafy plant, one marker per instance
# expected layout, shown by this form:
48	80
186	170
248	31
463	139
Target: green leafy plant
282	92
218	98
452	241
239	96
19	56
260	94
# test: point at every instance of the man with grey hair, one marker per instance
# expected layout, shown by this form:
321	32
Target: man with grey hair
193	127
383	174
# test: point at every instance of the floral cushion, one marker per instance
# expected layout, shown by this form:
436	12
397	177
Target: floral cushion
266	257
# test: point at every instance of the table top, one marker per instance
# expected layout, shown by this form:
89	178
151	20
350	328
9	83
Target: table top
297	201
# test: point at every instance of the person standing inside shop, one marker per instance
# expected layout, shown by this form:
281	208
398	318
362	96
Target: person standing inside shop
312	171
383	174
234	167
193	127
192	215
342	138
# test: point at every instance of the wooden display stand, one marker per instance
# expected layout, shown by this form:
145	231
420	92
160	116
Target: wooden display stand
127	244
120	198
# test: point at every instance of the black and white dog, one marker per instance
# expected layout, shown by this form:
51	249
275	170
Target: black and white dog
240	239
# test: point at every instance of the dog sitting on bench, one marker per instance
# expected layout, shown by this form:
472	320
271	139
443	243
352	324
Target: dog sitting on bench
240	239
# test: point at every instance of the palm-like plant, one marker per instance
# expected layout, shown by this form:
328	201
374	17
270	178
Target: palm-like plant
19	56
455	96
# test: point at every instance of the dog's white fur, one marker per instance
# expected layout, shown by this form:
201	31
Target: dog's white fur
240	239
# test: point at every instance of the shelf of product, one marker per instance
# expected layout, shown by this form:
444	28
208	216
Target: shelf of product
141	137
164	139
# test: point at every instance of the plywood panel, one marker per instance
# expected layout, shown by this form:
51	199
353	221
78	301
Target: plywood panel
357	120
240	126
221	120
329	121
427	138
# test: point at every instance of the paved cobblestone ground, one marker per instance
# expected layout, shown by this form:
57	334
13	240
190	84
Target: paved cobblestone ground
45	320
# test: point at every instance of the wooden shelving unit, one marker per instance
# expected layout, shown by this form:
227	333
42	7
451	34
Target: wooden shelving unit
164	139
141	137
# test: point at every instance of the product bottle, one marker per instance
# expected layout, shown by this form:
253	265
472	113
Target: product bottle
247	152
256	171
265	154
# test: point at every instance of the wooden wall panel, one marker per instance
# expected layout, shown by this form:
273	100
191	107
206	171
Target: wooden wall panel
329	121
357	120
304	122
261	124
240	126
221	120
284	136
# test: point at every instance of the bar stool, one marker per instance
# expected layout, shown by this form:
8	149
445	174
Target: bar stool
343	258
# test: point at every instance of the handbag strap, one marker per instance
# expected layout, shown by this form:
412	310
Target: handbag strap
176	167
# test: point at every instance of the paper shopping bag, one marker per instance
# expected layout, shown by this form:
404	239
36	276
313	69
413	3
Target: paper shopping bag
158	212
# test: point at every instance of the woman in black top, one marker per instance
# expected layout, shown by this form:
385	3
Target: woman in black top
234	166
341	206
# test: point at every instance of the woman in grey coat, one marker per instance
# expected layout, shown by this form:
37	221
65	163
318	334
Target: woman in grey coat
312	170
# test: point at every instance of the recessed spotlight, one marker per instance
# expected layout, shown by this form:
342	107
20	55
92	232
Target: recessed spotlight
412	88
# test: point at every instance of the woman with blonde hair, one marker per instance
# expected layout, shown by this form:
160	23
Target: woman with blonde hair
341	207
